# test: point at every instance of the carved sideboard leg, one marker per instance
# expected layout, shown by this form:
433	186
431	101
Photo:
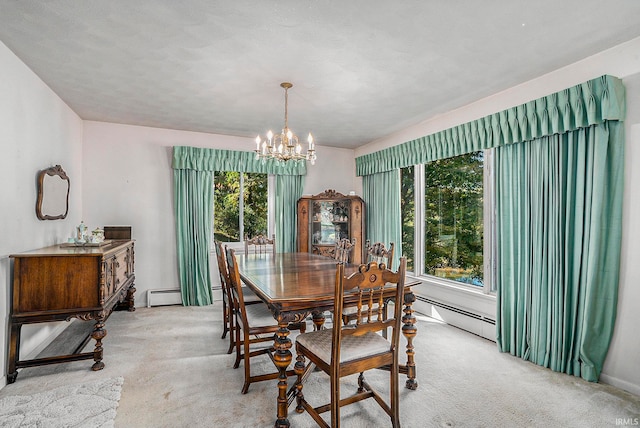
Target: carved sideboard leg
14	352
98	334
130	301
409	330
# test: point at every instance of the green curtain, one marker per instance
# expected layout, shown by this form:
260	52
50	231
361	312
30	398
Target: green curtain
288	191
559	226
193	193
586	104
193	169
381	193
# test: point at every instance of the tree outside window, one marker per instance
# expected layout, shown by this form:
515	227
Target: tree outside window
240	205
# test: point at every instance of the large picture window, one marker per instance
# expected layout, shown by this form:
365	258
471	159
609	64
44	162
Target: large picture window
443	221
453	217
240	205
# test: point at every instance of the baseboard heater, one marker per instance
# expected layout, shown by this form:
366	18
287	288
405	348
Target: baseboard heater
164	297
457	310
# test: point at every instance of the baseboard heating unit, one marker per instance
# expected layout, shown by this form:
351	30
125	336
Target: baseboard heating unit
163	297
475	323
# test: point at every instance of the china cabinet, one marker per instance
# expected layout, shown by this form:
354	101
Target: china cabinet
325	218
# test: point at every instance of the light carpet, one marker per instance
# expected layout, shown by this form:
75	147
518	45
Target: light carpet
91	405
179	375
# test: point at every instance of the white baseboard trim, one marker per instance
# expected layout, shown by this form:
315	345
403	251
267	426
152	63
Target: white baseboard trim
619	383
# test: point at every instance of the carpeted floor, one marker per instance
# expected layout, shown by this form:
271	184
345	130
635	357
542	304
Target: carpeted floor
87	405
177	374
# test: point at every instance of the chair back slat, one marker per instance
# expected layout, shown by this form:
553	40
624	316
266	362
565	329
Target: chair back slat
344	248
378	253
260	244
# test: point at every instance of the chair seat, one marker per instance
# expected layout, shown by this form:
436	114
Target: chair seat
258	316
249	295
352	347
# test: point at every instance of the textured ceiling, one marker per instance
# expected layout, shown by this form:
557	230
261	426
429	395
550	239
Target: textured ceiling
361	69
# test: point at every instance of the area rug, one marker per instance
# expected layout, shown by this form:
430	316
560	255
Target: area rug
91	404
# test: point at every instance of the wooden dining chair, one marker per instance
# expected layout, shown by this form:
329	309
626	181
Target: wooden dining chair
374	253
229	309
343	250
254	325
259	244
355	348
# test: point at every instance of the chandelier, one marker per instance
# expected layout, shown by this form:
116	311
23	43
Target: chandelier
284	146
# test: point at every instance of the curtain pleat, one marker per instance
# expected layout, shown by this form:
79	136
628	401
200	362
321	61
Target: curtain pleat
203	159
288	190
559	227
193	193
381	193
589	103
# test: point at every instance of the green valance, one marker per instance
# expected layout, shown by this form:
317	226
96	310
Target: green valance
203	159
588	103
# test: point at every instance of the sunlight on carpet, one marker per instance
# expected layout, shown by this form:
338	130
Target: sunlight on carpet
91	404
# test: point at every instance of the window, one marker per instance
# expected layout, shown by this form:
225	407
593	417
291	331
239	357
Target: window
241	203
408	213
443	221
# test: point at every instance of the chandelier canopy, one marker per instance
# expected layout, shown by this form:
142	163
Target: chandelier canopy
284	146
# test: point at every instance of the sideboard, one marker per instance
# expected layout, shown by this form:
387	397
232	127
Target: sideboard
59	283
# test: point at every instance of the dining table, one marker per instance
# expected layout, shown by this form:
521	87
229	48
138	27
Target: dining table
298	285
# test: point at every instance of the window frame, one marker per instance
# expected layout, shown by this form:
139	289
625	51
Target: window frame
488	219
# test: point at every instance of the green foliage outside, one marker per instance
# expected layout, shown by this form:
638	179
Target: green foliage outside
227	190
453	218
407	207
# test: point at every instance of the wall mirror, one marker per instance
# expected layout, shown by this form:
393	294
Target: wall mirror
53	194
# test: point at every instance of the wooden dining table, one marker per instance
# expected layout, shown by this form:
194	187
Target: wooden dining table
296	285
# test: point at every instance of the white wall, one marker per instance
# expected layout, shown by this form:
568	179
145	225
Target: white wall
37	131
128	181
623	61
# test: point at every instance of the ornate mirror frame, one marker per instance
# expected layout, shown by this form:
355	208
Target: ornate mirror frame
53	194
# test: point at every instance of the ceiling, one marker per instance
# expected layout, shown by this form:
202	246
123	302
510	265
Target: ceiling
361	69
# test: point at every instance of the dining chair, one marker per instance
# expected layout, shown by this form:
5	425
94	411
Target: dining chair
259	244
344	350
343	250
254	325
228	307
374	253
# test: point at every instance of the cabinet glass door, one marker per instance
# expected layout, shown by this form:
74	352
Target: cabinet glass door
330	222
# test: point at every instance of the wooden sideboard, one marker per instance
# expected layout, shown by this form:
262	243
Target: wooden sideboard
59	283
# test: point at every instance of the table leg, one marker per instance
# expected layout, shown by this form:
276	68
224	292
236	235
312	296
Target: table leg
409	330
282	358
318	320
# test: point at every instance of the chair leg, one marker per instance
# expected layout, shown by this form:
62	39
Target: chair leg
232	329
299	368
335	402
247	365
237	363
395	397
225	319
